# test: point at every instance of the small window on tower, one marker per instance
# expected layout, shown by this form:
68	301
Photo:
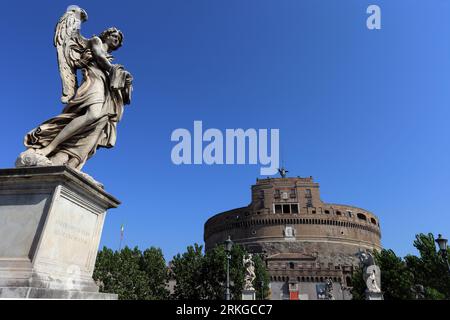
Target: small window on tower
292	195
308	193
361	216
276	193
278	208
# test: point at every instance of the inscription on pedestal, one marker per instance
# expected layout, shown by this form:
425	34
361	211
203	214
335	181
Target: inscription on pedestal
71	232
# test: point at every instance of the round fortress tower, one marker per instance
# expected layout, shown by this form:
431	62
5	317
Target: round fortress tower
305	241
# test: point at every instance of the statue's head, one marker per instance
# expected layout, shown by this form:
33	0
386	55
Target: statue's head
113	37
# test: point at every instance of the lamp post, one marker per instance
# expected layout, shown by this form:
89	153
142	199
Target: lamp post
442	244
262	289
228	247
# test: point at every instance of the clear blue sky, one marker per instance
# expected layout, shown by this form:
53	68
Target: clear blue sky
366	113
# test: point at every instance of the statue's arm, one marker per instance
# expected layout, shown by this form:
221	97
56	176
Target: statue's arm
99	54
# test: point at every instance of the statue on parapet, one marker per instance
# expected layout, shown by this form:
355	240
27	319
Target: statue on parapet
329	289
93	109
371	276
250	274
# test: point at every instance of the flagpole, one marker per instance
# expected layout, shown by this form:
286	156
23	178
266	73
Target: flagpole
121	237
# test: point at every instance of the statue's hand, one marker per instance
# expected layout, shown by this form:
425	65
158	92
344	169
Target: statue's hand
128	78
85	58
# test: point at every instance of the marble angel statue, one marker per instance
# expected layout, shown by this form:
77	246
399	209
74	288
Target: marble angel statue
250	275
92	109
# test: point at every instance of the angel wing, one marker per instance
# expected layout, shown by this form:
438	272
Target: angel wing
69	47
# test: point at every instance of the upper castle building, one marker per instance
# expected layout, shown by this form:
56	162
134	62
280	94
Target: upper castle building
305	241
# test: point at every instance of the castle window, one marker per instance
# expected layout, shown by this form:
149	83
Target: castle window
313	212
338	213
291	265
350	214
308	193
309	203
292	195
373	221
361	216
327	211
276	193
286	208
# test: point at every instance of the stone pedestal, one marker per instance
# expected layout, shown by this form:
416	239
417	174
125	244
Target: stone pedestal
51	220
374	295
248	295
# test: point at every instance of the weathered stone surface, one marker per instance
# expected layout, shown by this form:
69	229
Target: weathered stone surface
30	158
248	295
40	293
51	220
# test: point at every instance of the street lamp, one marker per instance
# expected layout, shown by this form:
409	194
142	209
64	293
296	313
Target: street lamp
442	244
262	289
228	247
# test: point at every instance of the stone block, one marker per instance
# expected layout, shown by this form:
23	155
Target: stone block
51	219
248	295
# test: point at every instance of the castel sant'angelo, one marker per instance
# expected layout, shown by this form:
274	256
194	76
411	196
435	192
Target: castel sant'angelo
304	240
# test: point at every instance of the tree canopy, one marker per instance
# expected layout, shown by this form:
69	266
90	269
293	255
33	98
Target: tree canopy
137	275
400	278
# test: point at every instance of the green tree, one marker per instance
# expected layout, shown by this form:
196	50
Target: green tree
237	271
262	280
215	270
154	265
396	279
358	285
187	271
429	269
201	276
400	276
119	272
131	274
